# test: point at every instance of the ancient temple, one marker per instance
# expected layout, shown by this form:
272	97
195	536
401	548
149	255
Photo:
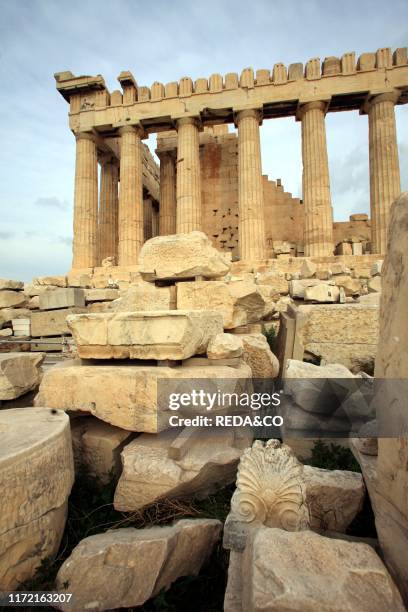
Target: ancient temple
211	179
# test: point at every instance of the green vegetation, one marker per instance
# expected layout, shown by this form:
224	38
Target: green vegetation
333	457
271	337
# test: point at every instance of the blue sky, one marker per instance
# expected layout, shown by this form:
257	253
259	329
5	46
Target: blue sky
164	41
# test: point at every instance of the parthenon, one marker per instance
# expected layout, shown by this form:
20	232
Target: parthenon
111	126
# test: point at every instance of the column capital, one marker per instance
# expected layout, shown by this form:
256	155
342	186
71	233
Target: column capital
171	153
85	136
188	121
129	129
307	106
255	113
375	98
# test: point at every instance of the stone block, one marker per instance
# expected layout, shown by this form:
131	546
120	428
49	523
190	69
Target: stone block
322	293
334	497
21	327
13	285
374	284
36	476
376	268
276	281
19	373
308	269
181	256
123	568
126	395
97	447
178	463
12	299
54	281
101	295
351	286
80	277
224	346
174	334
62	298
339	267
258	355
239	303
52	322
305	571
8	314
297	287
146	296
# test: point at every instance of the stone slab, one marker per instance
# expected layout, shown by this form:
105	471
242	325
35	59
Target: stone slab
52	322
62	298
19	373
159	335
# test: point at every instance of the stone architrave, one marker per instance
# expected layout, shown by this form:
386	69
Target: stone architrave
173	334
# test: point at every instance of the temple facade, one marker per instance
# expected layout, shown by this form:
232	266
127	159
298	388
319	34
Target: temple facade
242	212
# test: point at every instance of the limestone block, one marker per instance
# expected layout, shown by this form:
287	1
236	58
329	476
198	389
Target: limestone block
97	447
101	295
277	282
19	373
239	303
334	497
123	568
224	346
54	281
34	302
146	296
62	298
270	298
8	314
322	293
308	269
81	277
13	285
376	268
36	290
173	334
36	476
339	268
318	396
191	463
306	572
323	274
52	322
126	395
297	287
259	356
7	331
351	286
181	256
12	299
374	284
340	333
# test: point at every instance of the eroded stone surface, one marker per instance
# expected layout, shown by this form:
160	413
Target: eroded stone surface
36	476
178	464
127	395
19	373
306	572
181	256
258	355
7	283
224	346
146	296
12	299
126	567
239	302
172	334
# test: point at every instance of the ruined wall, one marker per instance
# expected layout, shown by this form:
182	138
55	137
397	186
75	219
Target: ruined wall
357	229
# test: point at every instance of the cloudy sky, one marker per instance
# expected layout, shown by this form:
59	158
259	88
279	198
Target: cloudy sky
164	40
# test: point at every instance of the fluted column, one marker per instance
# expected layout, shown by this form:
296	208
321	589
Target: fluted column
85	202
147	218
167	211
251	230
130	196
318	234
188	176
385	185
108	210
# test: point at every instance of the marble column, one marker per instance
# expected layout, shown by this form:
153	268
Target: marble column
188	216
167	211
108	210
251	230
85	202
385	185
147	218
130	230
318	235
